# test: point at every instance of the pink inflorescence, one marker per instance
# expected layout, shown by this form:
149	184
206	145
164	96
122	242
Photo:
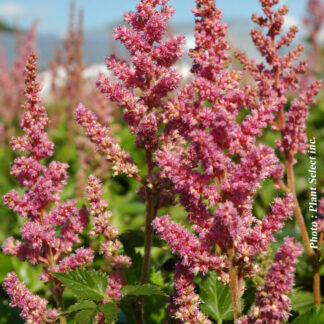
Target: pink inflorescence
142	85
215	163
110	246
281	75
100	136
294	138
272	301
33	308
185	301
49	234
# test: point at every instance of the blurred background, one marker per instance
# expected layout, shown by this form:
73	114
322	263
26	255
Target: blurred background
101	15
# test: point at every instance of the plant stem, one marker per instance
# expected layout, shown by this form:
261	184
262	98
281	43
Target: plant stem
149	197
57	286
316	279
297	210
148	221
314	256
233	283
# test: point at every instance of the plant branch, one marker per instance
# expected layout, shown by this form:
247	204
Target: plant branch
148	221
58	291
234	285
314	256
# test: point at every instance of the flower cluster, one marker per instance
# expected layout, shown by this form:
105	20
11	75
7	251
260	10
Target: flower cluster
202	149
33	308
216	165
111	245
185	300
143	84
100	136
271	301
49	234
280	75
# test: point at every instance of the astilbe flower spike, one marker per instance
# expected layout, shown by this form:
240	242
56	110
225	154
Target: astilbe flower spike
205	155
100	135
143	83
142	87
33	307
276	80
111	245
271	302
216	165
49	234
185	299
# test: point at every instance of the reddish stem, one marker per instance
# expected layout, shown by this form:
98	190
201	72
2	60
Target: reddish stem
234	284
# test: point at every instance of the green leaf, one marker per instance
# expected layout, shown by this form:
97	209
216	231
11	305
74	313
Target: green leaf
8	314
302	301
81	305
84	284
156	278
109	311
314	316
85	316
142	290
216	297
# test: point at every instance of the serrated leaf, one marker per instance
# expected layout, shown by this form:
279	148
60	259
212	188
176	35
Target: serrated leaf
142	290
302	301
156	278
314	316
85	316
84	284
109	311
81	305
100	279
216	298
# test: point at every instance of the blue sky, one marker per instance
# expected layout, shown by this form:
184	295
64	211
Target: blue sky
53	14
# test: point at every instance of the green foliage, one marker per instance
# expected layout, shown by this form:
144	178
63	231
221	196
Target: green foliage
135	238
9	315
216	298
81	305
5	28
85	316
142	290
85	284
89	287
314	316
302	301
109	311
